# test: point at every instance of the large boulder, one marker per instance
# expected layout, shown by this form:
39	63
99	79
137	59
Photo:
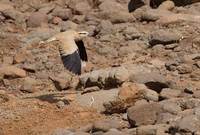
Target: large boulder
37	19
107	78
145	114
12	72
110	10
164	37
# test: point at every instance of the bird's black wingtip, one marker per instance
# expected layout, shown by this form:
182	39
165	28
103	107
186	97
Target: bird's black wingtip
72	62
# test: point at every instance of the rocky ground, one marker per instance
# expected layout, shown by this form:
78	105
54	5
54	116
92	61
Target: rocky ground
142	78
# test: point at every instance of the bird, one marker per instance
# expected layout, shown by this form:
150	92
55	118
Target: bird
72	49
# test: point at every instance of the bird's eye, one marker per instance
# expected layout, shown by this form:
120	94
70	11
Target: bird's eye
83	33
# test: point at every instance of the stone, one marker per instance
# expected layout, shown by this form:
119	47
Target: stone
78	19
125	51
197	111
60	131
119	17
5	6
81	133
154	80
158	50
141	102
105	27
167	5
29	85
111	6
82	8
143	114
61	81
196	94
168	93
172	65
128	90
56	20
47	8
7	60
2	18
3	99
87	128
91	89
198	64
189	123
172	108
147	130
60	104
151	95
184	69
166	118
66	25
172	18
105	78
110	10
107	50
191	103
106	125
195	75
114	132
150	15
15	15
20	57
130	131
29	68
164	37
171	46
37	19
98	133
12	72
157	63
39	34
131	33
64	14
97	99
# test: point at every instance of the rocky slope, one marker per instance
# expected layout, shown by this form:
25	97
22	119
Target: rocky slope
142	78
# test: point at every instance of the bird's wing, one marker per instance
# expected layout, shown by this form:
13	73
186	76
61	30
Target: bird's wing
82	50
72	62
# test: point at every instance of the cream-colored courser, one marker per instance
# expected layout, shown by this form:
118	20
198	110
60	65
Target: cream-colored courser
72	49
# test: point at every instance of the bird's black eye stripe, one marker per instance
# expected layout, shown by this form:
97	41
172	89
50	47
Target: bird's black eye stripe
82	33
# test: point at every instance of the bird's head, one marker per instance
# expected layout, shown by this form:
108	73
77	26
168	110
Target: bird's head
81	34
70	33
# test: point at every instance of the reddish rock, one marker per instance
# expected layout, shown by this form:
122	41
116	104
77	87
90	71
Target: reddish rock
12	72
145	114
82	8
37	19
56	20
62	81
5	6
105	125
64	14
128	90
30	85
167	5
19	57
7	60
